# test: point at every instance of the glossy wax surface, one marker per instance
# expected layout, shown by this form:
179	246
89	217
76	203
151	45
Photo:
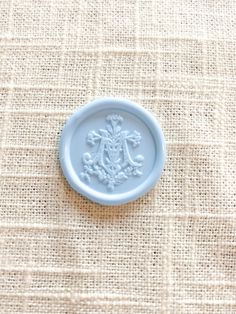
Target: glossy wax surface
112	151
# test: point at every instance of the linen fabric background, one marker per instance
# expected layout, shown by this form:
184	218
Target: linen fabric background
171	251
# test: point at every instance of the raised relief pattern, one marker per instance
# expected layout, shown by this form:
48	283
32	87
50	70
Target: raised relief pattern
112	163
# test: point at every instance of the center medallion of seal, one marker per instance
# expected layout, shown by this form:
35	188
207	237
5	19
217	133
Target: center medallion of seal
112	162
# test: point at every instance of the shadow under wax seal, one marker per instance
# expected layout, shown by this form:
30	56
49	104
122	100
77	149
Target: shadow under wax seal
112	151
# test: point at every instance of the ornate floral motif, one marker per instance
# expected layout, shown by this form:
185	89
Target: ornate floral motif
112	163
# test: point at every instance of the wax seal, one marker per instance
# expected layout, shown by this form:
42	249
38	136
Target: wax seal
112	151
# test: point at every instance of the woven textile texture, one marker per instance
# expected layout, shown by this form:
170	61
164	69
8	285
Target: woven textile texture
171	251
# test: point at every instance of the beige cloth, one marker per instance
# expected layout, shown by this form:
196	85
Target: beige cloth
172	251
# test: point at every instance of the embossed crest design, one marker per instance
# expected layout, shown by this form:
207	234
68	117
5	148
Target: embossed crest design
112	163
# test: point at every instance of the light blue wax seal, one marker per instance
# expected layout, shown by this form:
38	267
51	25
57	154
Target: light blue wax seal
112	151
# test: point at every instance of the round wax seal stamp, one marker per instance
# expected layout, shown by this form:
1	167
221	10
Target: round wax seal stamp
112	151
